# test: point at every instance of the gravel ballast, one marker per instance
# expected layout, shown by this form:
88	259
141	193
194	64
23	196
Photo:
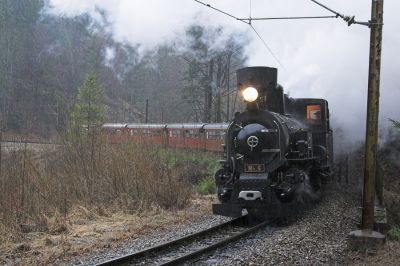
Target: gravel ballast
150	240
318	237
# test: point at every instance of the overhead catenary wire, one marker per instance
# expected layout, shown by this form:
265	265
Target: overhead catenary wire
219	10
248	23
329	9
249	8
349	19
266	45
248	20
287	18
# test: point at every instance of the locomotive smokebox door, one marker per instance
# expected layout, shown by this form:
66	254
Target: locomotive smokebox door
264	79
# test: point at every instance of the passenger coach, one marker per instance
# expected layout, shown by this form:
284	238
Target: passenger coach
194	136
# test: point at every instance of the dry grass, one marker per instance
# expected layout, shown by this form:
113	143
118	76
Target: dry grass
388	255
90	229
63	201
42	191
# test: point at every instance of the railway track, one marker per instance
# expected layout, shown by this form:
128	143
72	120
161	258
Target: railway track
20	142
8	145
190	247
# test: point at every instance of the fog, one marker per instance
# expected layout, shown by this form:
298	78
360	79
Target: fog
321	58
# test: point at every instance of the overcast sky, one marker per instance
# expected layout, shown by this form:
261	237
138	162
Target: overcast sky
319	58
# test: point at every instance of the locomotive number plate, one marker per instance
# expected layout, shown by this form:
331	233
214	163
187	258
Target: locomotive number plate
254	168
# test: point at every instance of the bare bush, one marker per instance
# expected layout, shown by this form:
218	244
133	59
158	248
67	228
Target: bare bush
37	188
350	172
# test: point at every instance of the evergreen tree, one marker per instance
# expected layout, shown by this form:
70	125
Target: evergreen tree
82	134
88	112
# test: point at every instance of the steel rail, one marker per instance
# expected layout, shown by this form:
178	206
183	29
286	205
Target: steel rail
177	242
215	246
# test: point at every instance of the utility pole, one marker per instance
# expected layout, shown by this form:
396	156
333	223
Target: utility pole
371	141
367	238
1	150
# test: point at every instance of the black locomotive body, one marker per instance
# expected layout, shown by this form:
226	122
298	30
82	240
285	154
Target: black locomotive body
277	152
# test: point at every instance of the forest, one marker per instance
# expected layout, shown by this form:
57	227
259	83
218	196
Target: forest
45	58
61	77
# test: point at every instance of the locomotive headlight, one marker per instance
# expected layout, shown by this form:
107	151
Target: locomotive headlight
250	94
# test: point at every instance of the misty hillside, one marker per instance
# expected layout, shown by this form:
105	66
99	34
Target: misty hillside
45	58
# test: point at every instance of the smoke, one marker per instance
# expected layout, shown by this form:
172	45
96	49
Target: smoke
305	194
319	58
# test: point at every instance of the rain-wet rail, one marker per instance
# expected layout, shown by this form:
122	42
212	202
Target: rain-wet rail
189	247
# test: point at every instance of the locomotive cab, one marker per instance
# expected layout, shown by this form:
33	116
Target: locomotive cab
315	114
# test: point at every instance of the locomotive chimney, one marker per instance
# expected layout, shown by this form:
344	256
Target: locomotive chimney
264	80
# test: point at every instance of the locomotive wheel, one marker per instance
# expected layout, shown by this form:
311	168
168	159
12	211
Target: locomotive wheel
221	180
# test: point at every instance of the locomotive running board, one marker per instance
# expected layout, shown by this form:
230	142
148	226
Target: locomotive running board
271	150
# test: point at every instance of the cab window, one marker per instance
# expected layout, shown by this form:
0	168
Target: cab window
314	114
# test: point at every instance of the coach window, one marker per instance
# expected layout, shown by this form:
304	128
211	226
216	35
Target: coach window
192	134
314	114
213	135
176	133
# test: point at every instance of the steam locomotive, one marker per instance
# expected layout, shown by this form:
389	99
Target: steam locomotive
277	153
